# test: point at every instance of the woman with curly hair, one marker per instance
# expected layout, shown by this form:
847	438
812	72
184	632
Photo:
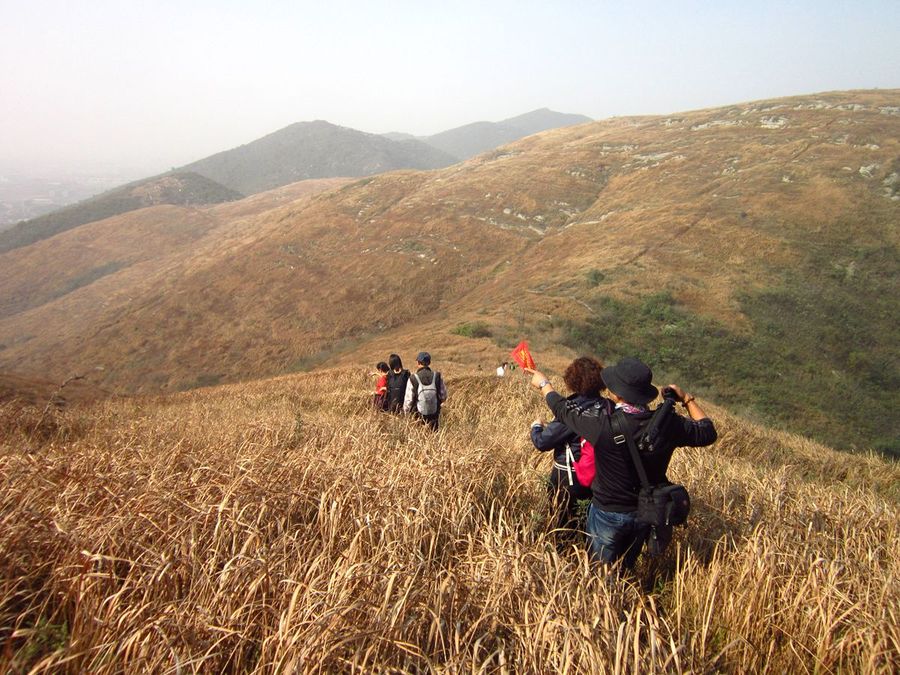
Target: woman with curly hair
583	379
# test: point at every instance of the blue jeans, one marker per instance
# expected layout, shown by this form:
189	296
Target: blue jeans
615	535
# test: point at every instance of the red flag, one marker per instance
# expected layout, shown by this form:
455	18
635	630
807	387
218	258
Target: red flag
522	355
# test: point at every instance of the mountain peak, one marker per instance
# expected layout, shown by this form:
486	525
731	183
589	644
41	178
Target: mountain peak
314	149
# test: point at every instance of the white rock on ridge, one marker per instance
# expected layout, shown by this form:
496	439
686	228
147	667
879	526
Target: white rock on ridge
866	171
717	123
773	122
891	185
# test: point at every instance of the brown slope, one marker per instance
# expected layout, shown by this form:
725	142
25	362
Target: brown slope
50	269
53	268
316	277
16	390
56	304
695	203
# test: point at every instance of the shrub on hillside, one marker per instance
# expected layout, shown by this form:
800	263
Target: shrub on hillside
594	277
475	329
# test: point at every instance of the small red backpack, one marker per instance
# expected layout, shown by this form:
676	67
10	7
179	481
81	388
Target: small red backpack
585	468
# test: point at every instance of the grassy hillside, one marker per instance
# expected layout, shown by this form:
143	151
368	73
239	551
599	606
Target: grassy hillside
752	248
113	260
283	526
819	353
44	394
181	188
314	150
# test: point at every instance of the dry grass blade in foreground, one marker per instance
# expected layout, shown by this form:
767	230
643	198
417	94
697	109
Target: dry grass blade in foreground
281	526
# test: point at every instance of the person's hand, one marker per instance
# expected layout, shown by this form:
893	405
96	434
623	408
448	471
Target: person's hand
679	392
536	377
538	422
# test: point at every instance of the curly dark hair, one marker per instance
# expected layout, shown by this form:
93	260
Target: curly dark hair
583	376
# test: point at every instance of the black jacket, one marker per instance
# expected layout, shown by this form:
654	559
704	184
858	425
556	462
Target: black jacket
557	436
396	384
616	483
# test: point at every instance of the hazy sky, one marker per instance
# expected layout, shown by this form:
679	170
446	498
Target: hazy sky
150	84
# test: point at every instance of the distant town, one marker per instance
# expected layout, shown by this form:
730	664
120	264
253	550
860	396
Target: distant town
25	195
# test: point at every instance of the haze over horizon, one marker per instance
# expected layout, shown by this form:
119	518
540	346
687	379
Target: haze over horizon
101	84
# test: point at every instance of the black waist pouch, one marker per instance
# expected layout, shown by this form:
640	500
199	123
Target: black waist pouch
663	505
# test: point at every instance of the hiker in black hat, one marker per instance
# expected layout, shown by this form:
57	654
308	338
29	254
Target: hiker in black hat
425	392
614	532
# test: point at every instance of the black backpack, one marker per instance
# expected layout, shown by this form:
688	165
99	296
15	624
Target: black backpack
396	390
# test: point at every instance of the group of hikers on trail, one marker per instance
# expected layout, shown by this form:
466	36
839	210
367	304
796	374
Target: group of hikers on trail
420	394
612	449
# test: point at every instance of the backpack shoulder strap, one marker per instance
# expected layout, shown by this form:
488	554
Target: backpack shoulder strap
622	435
658	422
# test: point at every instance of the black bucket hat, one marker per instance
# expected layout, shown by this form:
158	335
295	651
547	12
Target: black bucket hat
632	380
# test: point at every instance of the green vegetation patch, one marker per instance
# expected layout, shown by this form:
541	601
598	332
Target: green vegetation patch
89	277
206	380
44	639
475	329
820	357
594	277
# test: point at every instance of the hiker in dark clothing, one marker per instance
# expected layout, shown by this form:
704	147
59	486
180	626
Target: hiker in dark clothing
613	529
425	392
582	377
397	380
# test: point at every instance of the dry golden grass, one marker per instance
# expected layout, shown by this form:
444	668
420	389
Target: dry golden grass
281	526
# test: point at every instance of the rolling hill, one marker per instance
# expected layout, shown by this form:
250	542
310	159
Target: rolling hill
317	149
301	151
750	251
178	188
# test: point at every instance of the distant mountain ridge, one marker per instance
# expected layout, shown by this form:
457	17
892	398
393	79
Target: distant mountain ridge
473	139
316	149
300	151
182	188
